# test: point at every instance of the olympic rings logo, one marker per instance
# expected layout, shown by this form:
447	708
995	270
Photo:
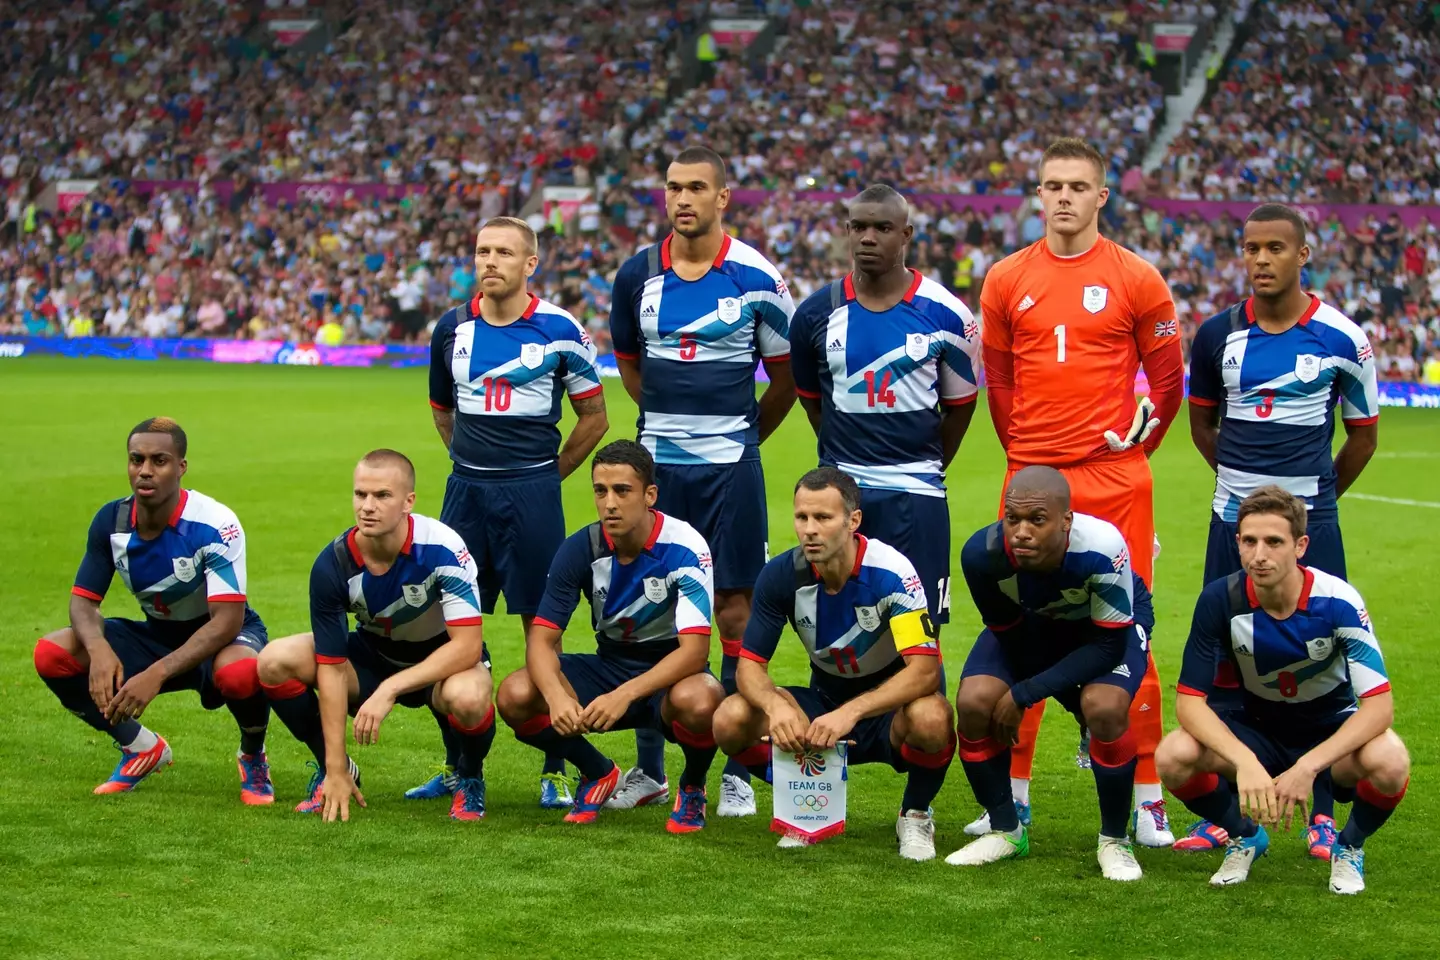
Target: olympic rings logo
811	801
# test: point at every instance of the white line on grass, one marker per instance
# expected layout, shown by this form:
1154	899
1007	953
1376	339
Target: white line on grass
1407	455
1396	500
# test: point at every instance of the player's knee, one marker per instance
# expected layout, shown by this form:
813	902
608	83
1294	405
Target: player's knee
929	724
731	723
1387	762
282	659
53	660
1176	757
467	697
1106	710
239	679
972	713
695	698
516	697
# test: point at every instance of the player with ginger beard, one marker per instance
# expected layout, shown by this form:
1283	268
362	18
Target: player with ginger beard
1067	323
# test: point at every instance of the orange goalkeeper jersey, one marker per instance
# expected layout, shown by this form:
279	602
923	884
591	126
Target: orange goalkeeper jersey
1071	334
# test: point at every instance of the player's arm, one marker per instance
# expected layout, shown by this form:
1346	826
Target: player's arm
1360	412
1369	679
442	380
1203	647
542	641
1157	337
920	677
92	581
957	382
459	653
999	360
772	341
1207	389
329	629
774	591
587	399
805	361
626	341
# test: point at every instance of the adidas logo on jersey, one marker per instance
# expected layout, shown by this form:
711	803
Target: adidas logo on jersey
461	353
650	312
1025	304
1122	671
805	622
601	594
1231	363
835	346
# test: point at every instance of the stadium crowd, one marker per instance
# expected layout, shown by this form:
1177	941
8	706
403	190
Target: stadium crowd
171	264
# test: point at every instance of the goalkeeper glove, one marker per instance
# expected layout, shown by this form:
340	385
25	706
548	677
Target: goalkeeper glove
1141	427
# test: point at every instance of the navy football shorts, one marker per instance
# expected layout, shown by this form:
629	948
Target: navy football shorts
989	658
139	646
919	527
1276	754
871	735
725	502
593	674
513	529
373	668
1222	554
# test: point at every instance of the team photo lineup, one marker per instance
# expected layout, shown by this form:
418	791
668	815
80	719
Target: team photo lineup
1283	705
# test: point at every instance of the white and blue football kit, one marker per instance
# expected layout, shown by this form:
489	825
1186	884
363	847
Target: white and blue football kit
881	379
1300	677
505	384
198	559
698	343
1277	395
856	639
1049	634
638	610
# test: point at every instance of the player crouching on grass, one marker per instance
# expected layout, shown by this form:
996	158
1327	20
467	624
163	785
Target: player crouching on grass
1314	691
859	609
182	555
417	642
646	576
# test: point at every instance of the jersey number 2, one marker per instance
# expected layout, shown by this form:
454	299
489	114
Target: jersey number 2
497	393
883	394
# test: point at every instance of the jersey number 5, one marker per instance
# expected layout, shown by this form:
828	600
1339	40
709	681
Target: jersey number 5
497	393
687	347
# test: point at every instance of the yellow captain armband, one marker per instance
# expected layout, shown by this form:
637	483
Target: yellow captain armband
908	630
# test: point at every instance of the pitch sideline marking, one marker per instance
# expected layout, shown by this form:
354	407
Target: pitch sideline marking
1401	501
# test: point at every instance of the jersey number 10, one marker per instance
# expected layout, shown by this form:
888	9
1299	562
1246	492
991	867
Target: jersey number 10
497	393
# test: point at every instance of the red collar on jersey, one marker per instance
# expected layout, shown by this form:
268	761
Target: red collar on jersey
1304	317
1303	604
665	251
861	543
654	532
352	543
174	514
529	310
915	279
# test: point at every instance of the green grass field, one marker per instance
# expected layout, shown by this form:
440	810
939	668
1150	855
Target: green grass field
181	869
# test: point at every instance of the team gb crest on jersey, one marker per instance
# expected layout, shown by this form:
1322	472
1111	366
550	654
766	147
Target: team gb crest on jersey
655	589
1319	648
184	569
917	346
1307	367
532	355
414	594
728	309
1094	298
868	618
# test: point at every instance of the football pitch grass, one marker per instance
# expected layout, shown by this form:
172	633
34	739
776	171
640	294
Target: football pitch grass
181	869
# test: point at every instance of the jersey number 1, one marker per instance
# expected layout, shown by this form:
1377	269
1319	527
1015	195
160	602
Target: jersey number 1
1060	343
497	393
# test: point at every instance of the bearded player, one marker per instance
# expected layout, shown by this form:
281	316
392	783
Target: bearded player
1067	323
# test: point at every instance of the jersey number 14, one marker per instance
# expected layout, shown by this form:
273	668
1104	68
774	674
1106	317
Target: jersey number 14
881	393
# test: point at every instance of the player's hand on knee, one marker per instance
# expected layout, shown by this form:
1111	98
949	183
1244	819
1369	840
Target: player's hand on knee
566	717
1005	720
788	728
1292	791
371	714
135	695
604	711
107	675
826	731
1257	792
